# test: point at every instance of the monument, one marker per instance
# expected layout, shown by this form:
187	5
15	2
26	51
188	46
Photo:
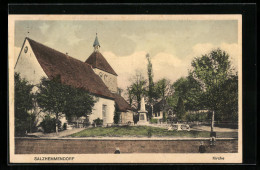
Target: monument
142	114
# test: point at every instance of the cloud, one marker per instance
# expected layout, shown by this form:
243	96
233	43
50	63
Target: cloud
164	66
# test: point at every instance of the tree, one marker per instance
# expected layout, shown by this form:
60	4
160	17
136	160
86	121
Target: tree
228	109
151	92
130	95
137	88
57	98
163	88
180	111
23	104
189	90
212	71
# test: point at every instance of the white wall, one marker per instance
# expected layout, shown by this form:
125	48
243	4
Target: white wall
28	66
97	110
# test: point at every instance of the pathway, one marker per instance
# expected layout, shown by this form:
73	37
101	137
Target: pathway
59	135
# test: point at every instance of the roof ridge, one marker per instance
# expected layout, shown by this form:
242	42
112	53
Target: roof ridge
97	60
56	50
74	72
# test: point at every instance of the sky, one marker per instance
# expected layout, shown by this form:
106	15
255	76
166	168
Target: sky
172	44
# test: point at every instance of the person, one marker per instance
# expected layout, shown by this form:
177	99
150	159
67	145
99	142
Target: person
202	148
117	151
212	141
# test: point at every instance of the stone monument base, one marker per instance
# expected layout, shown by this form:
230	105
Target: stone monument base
142	123
142	119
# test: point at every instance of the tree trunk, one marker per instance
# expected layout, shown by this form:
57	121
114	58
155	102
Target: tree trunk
57	119
212	122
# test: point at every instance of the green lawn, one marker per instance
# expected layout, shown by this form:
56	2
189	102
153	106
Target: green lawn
142	131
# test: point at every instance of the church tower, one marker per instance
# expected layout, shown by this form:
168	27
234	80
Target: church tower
102	68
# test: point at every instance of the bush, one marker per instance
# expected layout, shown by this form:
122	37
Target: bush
196	117
98	121
164	117
116	117
153	120
49	124
64	127
149	133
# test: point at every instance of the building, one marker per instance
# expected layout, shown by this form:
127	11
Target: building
162	107
94	75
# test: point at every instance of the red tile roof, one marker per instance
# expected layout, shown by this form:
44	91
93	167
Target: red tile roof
121	104
97	60
72	71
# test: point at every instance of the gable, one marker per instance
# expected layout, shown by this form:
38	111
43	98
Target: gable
28	66
97	60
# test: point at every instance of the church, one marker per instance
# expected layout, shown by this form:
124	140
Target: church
95	75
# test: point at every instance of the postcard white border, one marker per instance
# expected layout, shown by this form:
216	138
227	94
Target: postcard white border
122	158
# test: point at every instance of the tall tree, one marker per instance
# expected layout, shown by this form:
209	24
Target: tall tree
180	109
58	98
23	104
212	71
150	79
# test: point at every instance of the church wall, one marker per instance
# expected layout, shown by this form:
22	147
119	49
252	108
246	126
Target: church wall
28	65
127	117
110	80
97	110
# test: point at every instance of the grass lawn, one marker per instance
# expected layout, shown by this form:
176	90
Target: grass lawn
142	131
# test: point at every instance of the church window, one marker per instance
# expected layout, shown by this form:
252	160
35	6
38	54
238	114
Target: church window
25	49
104	110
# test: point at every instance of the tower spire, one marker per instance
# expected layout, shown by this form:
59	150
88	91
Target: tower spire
96	44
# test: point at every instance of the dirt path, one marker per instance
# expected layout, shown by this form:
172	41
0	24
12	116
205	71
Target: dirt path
216	129
60	134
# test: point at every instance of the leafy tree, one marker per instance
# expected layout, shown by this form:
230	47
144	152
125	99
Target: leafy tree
137	88
228	107
190	91
55	97
130	96
163	92
213	72
163	88
23	104
180	111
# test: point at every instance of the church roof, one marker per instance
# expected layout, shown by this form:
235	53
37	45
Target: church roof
72	71
121	104
97	60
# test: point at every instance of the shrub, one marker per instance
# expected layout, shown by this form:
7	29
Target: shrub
64	127
116	117
149	133
153	120
98	121
49	124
